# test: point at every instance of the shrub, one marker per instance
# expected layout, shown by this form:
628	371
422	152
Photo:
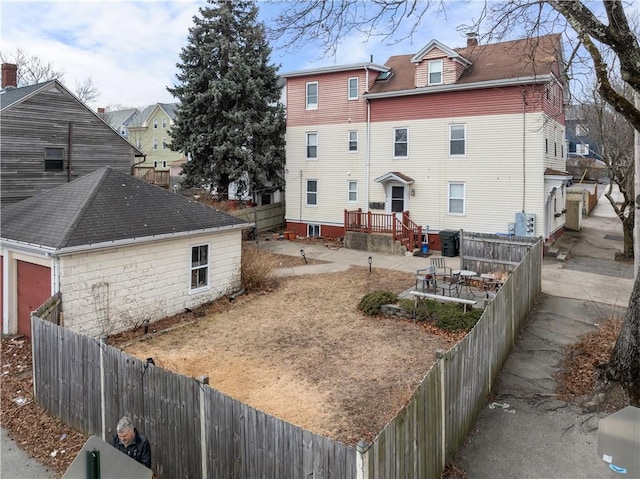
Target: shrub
447	316
370	303
257	269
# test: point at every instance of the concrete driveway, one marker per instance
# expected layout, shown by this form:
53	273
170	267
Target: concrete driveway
524	432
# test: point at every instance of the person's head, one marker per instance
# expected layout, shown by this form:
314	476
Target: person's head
125	430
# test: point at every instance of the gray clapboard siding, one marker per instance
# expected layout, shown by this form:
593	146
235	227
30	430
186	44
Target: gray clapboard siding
46	120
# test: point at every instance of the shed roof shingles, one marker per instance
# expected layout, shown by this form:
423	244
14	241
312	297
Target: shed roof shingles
106	206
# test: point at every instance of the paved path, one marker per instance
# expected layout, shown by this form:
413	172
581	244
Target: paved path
524	432
17	464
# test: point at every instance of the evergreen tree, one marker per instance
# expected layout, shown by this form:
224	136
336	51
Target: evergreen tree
229	120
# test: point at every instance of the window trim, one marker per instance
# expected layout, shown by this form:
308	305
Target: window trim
165	145
350	141
193	268
307	146
406	142
464	139
349	88
155	143
155	123
350	191
51	164
308	105
306	196
441	72
463	198
164	122
314	225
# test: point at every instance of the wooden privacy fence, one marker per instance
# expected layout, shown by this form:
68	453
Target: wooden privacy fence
267	217
486	253
427	433
196	431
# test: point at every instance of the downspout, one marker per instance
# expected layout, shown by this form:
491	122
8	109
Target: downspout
367	167
133	167
69	148
524	137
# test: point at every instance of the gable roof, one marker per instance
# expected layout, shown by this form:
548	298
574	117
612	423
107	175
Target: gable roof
11	96
418	57
517	60
105	208
118	118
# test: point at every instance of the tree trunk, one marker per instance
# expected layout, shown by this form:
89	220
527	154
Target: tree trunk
627	229
624	365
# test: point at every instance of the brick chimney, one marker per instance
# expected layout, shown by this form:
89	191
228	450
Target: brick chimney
101	110
472	39
9	75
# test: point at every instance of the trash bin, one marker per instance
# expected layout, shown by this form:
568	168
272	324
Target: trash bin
449	241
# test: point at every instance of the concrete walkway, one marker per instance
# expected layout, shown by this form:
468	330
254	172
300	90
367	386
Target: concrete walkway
17	464
524	432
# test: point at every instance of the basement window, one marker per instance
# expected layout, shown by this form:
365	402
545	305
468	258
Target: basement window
53	159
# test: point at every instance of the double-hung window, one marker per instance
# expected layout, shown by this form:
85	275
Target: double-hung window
456	198
353	141
435	72
155	123
312	192
457	140
312	96
353	88
155	143
312	146
164	122
199	267
165	145
582	149
53	159
352	191
400	142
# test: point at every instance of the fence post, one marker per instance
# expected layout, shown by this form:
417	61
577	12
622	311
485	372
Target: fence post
103	406
203	429
362	464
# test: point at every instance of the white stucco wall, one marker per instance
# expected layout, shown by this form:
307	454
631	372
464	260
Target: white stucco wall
111	290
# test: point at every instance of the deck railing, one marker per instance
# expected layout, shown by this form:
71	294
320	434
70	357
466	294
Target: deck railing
403	229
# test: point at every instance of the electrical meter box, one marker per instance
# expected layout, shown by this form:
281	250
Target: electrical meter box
619	442
525	224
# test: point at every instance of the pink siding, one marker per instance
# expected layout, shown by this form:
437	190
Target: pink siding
333	105
553	102
454	104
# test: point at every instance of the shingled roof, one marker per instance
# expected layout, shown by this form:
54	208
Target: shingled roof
104	207
514	59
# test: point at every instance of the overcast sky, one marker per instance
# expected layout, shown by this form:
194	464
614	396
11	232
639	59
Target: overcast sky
130	48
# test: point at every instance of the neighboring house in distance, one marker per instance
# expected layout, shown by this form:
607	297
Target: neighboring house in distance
148	130
456	138
120	120
49	138
583	151
118	250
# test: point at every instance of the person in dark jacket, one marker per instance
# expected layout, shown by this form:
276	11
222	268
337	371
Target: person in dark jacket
131	442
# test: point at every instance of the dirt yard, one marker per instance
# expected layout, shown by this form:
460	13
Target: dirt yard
304	353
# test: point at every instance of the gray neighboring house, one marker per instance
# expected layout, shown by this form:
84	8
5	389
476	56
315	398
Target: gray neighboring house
49	137
119	252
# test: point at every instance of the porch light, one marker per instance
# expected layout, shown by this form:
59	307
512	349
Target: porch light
413	192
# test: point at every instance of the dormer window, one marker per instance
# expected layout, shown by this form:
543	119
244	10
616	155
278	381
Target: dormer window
435	72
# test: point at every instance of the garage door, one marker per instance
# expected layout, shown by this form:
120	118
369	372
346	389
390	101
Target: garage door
34	288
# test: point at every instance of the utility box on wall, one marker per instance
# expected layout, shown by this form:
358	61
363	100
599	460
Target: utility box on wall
525	225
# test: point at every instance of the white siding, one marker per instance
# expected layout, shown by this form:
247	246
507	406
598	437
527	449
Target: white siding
492	170
146	281
334	167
